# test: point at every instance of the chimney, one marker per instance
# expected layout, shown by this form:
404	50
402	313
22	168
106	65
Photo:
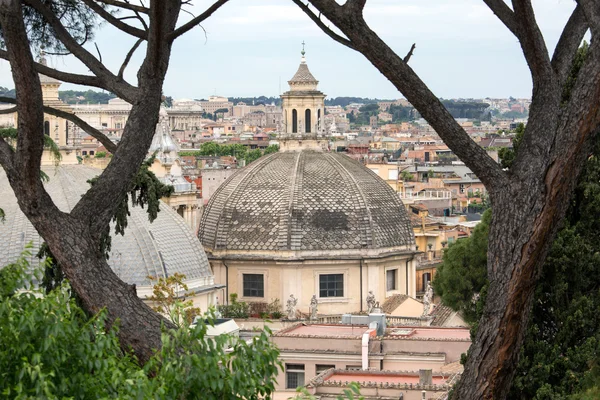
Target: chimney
425	377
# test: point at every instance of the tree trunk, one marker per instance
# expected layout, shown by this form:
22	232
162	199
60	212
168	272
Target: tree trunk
530	200
99	287
74	239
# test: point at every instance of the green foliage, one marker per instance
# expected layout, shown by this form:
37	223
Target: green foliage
407	176
463	272
49	349
271	149
166	299
144	190
572	78
85	96
401	113
235	308
100	154
345	101
561	352
562	345
78	19
507	155
252	155
464	109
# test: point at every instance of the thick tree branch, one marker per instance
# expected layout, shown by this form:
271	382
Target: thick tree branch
355	6
317	20
195	21
592	14
504	14
128	58
416	92
7	110
112	83
90	130
569	42
532	42
24	174
114	21
87	80
125	5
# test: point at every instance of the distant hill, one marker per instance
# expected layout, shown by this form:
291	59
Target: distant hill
344	101
85	97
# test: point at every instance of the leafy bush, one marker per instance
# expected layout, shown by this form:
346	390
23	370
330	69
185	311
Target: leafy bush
50	349
100	154
235	308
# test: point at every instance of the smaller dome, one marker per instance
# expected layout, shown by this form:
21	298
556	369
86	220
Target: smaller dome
157	249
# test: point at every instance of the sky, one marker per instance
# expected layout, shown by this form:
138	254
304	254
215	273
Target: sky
252	48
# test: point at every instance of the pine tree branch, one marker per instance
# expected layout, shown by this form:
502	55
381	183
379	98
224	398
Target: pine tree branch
195	21
317	20
504	14
128	58
532	42
123	89
125	5
87	80
569	42
7	110
365	41
114	21
592	14
90	130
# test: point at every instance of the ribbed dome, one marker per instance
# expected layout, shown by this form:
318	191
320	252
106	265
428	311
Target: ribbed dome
297	204
158	249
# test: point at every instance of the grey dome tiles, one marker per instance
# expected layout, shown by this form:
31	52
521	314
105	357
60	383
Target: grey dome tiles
305	201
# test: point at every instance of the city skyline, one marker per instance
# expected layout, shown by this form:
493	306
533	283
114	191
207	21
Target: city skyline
253	49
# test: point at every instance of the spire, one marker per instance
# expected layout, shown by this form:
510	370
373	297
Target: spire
303	59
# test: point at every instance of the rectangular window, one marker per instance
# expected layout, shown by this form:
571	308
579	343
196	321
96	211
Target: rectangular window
294	376
393	174
331	285
254	285
391	276
353	367
323	368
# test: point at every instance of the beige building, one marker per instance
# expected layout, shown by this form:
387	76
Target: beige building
309	350
305	221
303	106
215	103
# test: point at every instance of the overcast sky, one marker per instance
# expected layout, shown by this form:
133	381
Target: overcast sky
253	47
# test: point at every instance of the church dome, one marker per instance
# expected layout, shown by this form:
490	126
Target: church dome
160	249
305	204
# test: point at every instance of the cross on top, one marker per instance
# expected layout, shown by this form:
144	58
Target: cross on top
303	52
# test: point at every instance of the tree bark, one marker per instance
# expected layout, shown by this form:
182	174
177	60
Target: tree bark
74	239
530	200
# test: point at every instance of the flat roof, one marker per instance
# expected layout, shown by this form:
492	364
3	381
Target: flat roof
365	376
399	332
328	330
428	333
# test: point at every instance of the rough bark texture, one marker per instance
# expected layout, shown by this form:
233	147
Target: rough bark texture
74	239
530	200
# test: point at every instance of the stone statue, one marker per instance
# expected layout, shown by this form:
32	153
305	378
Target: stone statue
291	307
427	299
313	307
370	301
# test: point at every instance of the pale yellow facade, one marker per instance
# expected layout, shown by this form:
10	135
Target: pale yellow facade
301	279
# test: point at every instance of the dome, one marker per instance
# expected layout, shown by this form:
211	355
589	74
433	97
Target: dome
160	249
297	205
